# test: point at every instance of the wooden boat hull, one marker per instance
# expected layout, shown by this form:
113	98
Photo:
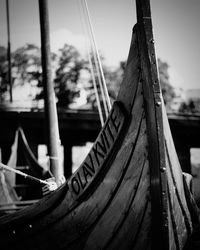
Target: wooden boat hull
129	192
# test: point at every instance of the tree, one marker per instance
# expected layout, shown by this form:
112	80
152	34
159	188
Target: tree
27	69
68	74
3	71
26	60
69	67
115	77
192	106
167	90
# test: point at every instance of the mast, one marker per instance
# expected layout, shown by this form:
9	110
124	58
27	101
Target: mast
49	95
9	51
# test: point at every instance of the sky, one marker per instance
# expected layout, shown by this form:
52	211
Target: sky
175	23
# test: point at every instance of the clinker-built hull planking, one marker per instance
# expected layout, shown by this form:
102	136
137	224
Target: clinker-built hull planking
128	193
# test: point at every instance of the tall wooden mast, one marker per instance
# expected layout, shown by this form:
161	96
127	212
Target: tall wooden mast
50	105
9	51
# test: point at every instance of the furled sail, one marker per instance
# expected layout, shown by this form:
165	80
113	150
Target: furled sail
35	168
8	194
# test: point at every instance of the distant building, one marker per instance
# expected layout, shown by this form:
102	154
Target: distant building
177	100
186	98
192	94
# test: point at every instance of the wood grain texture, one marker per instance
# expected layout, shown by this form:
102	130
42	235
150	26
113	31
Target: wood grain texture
129	192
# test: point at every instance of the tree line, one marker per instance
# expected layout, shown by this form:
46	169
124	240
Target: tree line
71	75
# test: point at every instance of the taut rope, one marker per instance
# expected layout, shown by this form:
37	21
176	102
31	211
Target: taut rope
95	59
5	167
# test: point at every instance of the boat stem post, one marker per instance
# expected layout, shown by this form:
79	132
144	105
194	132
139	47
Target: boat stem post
155	129
49	95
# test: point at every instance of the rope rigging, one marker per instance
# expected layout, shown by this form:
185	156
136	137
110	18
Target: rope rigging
95	65
5	167
96	91
91	62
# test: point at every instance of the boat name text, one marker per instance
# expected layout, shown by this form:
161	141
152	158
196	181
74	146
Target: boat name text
99	153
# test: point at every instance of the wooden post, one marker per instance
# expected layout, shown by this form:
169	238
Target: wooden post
50	105
67	160
9	51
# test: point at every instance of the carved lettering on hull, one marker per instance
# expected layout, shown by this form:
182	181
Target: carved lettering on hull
99	153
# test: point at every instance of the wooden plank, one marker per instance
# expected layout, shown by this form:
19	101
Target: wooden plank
129	196
178	208
131	75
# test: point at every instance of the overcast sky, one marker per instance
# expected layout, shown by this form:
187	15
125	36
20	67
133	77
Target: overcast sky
176	30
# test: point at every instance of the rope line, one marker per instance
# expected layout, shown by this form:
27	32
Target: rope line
100	75
89	55
96	92
5	167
